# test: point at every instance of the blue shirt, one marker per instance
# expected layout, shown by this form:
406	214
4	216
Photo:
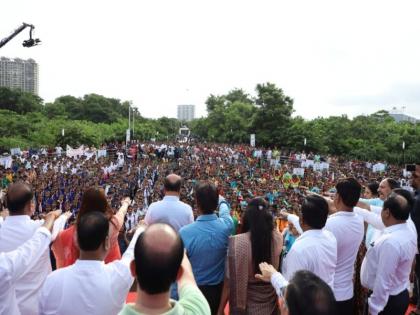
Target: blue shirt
206	242
289	240
270	197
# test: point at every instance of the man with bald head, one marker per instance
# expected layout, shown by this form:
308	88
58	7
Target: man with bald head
159	260
170	209
16	230
387	264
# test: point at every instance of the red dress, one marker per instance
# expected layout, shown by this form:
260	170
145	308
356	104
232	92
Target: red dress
66	251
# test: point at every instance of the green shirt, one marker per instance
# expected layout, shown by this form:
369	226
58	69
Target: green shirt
191	301
235	225
5	182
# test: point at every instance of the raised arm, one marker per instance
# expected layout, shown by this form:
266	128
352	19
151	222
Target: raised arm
59	224
292	218
224	213
15	263
190	296
120	215
129	253
371	218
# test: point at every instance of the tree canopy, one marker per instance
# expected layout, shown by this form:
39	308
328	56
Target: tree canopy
233	117
25	121
92	120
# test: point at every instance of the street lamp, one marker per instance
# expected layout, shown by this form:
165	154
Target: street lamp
403	148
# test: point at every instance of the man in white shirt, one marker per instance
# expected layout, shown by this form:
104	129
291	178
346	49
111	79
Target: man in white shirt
16	229
304	293
170	210
316	249
348	229
387	265
89	286
18	262
373	216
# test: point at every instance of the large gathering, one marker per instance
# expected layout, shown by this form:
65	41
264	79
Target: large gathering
209	157
188	228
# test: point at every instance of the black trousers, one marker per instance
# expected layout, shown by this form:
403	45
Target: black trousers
212	293
416	291
345	307
396	305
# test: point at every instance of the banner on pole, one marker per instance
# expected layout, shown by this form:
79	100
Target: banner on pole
252	140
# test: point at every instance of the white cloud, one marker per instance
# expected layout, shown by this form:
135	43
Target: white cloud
332	57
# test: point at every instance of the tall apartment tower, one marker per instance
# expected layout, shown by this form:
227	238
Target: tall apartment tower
186	112
20	74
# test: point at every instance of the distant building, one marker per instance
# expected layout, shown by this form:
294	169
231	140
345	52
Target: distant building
19	74
186	112
399	116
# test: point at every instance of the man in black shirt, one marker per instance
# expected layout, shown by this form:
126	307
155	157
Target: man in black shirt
415	216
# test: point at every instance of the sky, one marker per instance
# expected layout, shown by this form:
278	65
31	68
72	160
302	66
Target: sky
332	57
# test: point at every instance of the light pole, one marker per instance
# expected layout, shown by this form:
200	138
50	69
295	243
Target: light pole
129	118
133	121
403	148
127	134
62	139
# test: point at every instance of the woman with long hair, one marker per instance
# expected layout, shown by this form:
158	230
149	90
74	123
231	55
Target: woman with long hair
258	242
65	247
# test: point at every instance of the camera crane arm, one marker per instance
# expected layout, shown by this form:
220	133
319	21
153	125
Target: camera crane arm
27	43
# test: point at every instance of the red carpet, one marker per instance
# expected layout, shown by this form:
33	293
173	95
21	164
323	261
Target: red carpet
131	298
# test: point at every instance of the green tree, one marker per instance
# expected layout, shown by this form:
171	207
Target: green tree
272	119
73	106
19	101
55	109
237	122
99	109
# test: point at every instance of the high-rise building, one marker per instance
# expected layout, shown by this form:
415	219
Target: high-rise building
19	74
186	112
400	116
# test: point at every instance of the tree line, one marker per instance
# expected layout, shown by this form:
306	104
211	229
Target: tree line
234	116
25	121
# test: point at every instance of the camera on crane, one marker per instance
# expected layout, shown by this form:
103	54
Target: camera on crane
31	42
27	43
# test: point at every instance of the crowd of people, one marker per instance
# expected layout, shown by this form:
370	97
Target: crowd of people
207	229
